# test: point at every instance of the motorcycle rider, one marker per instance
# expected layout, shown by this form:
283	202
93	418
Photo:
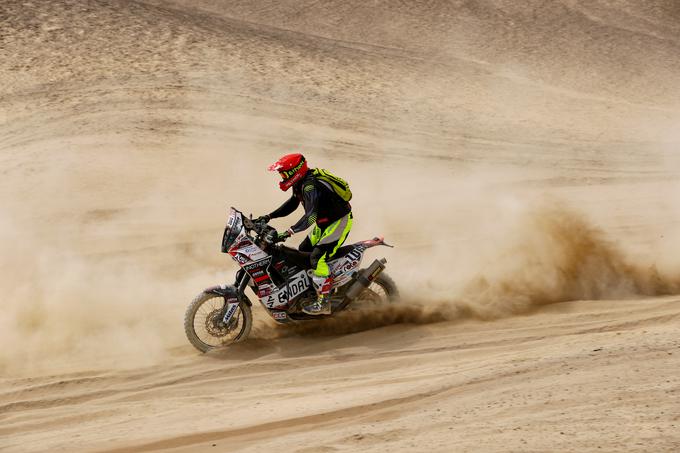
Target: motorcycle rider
327	211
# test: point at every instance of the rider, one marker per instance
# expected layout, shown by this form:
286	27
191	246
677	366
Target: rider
330	214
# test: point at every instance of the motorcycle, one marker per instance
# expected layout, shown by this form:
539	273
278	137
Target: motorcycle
280	277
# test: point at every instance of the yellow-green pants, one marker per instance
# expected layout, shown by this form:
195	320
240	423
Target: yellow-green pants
323	243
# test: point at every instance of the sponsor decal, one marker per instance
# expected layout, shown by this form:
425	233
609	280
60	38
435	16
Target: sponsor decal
262	279
347	267
250	249
281	297
241	259
258	264
241	241
230	312
355	254
290	291
295	286
350	262
279	315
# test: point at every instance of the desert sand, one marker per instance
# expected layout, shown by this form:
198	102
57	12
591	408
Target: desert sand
522	156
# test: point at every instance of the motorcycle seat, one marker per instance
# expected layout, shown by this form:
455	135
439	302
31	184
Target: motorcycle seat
301	259
342	251
296	257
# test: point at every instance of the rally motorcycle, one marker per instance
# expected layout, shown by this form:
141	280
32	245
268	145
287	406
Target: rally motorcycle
280	277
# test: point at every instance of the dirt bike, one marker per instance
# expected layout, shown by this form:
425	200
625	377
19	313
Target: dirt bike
280	277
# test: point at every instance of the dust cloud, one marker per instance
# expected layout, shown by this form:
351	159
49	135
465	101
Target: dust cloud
517	154
117	185
470	245
550	253
65	312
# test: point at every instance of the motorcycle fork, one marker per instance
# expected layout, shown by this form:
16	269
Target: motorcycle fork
242	285
229	308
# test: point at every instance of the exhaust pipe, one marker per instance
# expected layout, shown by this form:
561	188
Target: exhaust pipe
365	278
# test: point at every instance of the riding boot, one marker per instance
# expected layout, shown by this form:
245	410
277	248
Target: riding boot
322	305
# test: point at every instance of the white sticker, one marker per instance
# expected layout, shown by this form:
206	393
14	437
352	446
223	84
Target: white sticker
230	312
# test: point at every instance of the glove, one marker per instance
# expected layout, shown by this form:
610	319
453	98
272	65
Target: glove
271	237
263	219
285	235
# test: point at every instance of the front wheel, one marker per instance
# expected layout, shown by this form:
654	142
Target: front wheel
204	327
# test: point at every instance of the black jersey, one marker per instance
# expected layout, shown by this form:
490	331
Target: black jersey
322	205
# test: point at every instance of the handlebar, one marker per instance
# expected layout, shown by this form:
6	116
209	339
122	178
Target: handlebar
249	224
263	231
264	234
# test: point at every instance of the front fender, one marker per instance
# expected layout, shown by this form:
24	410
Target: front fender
229	292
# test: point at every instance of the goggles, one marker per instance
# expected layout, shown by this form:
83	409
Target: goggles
287	174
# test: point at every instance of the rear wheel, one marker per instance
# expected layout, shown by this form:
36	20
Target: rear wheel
204	327
381	291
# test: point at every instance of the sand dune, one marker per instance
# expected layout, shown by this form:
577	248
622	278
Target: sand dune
523	157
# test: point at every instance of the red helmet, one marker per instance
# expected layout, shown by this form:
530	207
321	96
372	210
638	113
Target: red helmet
292	168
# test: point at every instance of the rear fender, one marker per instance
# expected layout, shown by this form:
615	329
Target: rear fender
347	265
378	240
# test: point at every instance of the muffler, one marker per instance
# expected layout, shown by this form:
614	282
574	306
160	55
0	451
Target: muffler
365	278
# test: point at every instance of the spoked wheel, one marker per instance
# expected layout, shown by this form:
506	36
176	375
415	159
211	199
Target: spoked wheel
381	291
204	327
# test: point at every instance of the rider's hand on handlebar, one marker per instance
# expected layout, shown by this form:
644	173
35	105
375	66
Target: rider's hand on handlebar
270	237
263	219
284	235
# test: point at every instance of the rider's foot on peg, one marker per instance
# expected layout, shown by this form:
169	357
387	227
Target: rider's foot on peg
321	306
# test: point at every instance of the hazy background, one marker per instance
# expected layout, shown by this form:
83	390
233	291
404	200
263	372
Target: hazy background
518	154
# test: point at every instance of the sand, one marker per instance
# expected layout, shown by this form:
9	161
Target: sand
522	157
